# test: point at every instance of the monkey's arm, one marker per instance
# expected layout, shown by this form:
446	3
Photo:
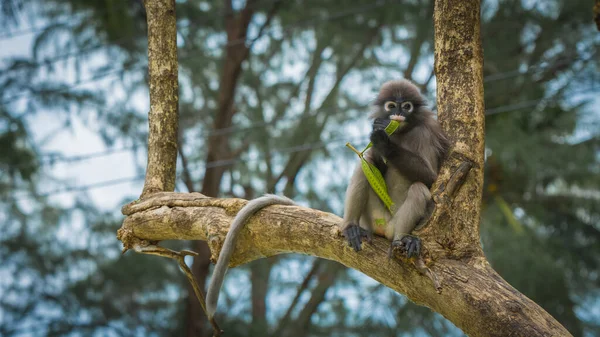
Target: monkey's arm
354	206
411	165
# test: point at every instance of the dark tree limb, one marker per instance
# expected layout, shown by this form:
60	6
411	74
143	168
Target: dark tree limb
150	249
597	14
423	30
285	319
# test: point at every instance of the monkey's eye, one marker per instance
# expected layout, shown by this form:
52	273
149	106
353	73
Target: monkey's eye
407	106
389	105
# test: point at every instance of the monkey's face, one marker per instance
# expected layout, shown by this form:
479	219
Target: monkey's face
398	109
399	100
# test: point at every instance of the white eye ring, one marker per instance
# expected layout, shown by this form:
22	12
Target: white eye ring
407	106
389	105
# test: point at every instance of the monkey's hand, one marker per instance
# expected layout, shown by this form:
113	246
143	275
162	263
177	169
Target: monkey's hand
380	123
409	245
381	143
354	234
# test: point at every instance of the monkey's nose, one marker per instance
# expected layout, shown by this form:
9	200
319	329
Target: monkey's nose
398	118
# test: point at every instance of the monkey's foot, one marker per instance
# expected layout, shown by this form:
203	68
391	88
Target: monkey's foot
354	234
408	245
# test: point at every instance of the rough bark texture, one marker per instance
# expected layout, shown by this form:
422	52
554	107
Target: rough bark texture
459	75
164	96
473	295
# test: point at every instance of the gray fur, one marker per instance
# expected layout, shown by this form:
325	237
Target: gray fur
216	282
425	138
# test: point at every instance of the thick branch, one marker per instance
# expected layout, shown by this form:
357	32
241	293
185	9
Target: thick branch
164	96
474	296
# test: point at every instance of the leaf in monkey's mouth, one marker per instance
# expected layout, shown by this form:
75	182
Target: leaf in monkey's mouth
374	176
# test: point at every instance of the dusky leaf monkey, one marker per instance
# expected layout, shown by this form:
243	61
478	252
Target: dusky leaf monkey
412	155
409	161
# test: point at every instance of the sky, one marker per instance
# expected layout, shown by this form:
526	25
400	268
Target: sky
81	138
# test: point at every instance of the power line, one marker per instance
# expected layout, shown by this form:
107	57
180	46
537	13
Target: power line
281	151
102	11
267	31
122	71
288	150
51	158
92	79
530	103
512	107
81	188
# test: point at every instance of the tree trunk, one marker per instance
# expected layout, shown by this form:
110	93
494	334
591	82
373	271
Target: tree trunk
164	97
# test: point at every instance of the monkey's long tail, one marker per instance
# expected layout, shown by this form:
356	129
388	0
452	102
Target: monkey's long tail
212	296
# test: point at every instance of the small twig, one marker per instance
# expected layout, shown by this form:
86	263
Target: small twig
423	269
180	257
354	149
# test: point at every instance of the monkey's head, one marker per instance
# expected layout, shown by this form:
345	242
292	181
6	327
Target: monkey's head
399	100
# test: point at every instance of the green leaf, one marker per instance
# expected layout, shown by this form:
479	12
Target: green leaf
377	182
391	128
374	176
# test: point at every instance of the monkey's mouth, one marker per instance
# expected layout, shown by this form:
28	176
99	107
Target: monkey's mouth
398	118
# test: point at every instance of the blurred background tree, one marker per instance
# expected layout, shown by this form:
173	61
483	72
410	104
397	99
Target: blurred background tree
270	92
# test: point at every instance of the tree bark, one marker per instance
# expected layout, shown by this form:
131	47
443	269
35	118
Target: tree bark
473	296
164	97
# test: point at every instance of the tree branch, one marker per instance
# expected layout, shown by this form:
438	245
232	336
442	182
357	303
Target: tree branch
326	279
423	29
285	319
187	176
474	296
